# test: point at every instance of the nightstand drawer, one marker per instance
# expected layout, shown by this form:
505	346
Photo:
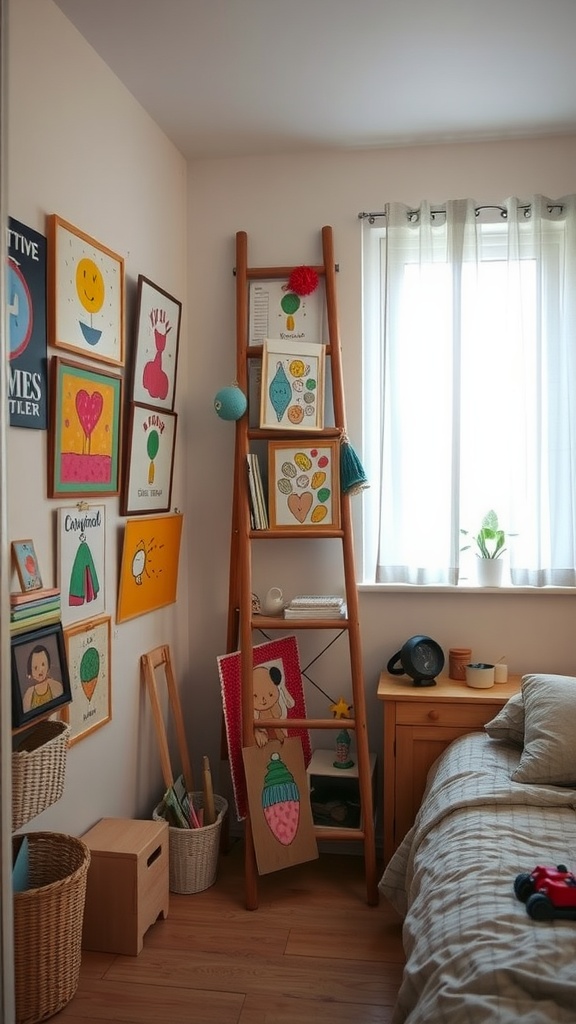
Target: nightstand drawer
438	713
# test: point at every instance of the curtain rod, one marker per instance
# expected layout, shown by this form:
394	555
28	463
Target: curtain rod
413	214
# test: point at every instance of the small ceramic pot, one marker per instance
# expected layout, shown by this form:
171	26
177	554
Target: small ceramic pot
480	675
273	603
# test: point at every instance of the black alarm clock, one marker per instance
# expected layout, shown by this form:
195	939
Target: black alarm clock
421	658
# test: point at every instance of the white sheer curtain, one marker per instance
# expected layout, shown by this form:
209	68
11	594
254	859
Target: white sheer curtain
470	388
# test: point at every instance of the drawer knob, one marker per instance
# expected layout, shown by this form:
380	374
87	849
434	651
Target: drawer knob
433	715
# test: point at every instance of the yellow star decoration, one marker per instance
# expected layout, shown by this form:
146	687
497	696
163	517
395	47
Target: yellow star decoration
341	709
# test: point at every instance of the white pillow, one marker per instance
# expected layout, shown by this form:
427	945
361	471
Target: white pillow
509	722
549	754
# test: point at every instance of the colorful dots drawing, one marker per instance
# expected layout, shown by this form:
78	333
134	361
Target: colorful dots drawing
303	484
292	393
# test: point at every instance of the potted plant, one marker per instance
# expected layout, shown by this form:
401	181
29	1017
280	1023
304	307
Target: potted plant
489	541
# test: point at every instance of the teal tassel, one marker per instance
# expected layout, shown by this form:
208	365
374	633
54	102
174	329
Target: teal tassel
353	477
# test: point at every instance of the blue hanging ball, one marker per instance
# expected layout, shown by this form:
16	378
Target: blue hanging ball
230	403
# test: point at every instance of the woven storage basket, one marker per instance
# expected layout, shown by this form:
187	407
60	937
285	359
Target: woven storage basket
193	852
48	925
38	771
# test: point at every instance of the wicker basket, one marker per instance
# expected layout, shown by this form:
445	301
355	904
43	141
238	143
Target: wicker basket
48	925
38	771
193	852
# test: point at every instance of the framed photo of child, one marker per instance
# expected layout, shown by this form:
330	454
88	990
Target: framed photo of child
40	680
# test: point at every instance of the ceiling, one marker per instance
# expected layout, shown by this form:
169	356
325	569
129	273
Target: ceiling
252	77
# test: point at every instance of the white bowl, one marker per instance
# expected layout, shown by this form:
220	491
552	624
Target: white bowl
480	676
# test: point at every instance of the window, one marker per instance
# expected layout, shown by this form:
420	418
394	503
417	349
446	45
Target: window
470	389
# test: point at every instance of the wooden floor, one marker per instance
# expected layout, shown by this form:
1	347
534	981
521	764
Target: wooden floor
313	952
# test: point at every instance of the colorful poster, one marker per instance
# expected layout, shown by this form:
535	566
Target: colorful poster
81	534
26	327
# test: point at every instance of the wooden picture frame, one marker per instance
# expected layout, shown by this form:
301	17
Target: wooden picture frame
81	561
292	389
84	431
26	564
40	680
283	656
156	346
148	461
88	651
149	569
85	294
304	485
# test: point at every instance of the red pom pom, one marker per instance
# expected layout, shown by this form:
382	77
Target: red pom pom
303	280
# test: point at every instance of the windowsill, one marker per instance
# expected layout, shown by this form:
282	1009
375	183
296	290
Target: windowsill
464	588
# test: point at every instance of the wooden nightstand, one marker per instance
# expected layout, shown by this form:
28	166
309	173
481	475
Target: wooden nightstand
419	723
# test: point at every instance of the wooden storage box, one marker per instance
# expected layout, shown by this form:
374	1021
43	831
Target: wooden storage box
127	885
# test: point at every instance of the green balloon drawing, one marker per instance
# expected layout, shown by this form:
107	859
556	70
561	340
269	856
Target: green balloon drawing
89	669
290	304
152	446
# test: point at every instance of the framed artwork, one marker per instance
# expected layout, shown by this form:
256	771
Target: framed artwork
276	312
40	680
292	391
84	433
88	655
278	693
149	460
149	569
81	576
26	564
85	294
26	327
303	484
156	349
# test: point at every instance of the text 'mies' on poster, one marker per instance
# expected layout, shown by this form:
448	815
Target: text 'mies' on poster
26	326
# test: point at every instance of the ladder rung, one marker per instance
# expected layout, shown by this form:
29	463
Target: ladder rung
305	723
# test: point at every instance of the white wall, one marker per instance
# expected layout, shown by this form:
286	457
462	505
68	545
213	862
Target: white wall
282	203
81	147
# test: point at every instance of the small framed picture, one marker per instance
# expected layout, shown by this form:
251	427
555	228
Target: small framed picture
292	391
88	656
84	432
156	350
26	564
149	460
303	485
40	680
85	294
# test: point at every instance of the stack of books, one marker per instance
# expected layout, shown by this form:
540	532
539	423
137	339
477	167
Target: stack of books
258	510
316	606
34	609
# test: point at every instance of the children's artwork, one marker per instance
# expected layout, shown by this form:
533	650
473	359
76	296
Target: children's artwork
303	485
88	655
276	312
149	570
81	535
85	294
26	564
156	350
149	460
40	681
279	802
26	327
84	435
278	693
292	395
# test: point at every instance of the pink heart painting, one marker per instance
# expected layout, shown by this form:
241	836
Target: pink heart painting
300	505
89	409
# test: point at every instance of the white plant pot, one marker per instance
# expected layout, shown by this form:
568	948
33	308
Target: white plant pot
489	571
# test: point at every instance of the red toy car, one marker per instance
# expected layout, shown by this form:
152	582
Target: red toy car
548	892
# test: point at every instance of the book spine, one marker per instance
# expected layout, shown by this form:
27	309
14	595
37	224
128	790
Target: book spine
253	496
23	611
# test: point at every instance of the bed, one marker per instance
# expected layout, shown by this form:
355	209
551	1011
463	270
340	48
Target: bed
496	803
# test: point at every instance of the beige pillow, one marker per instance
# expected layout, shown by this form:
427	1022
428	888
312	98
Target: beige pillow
549	754
509	722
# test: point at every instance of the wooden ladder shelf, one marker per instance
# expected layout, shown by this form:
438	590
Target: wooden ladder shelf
242	621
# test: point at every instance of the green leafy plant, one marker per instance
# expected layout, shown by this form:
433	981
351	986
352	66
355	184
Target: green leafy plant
490	539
